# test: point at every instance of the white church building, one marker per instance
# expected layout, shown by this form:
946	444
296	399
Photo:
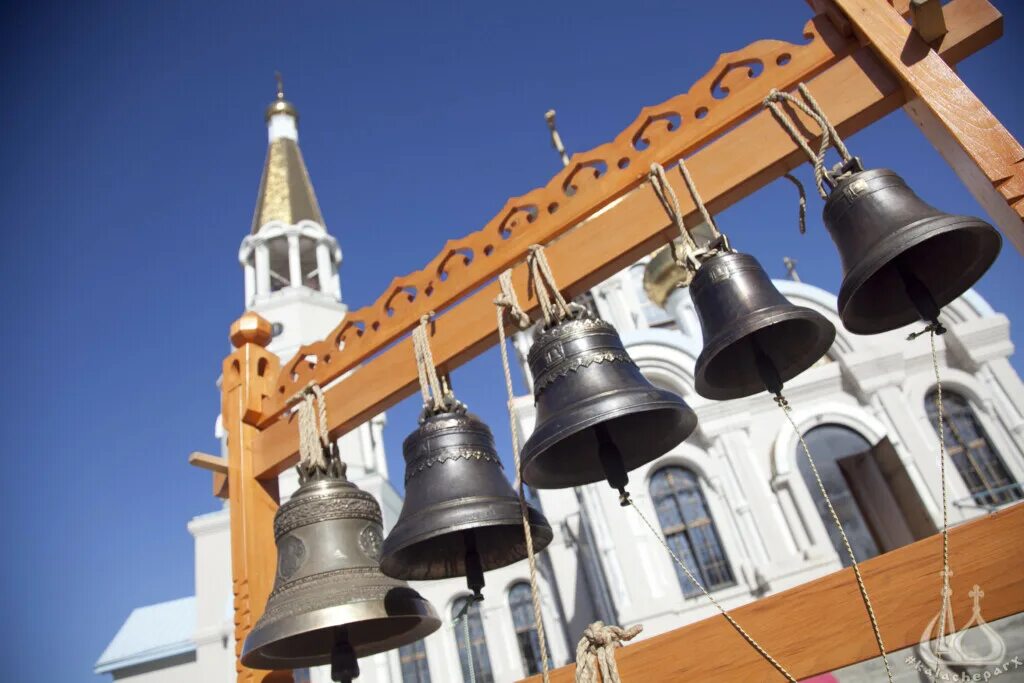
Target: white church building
735	500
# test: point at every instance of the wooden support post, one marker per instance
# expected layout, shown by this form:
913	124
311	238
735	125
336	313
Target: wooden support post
982	152
247	374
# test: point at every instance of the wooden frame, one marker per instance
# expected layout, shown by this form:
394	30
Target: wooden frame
861	59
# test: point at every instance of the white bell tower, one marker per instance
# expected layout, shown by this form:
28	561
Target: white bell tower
291	278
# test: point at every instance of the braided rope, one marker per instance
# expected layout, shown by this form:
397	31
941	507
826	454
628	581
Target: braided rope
728	617
829	135
596	652
784	406
553	305
670	202
507	301
314	438
437	396
946	572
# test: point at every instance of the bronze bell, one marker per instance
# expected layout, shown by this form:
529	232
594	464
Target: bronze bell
903	260
754	338
461	516
331	603
597	416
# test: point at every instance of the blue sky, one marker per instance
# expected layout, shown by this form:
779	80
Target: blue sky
134	142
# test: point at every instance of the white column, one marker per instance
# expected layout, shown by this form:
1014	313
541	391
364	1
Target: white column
262	269
323	267
294	261
250	281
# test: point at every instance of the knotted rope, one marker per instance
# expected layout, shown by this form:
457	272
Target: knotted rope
314	438
728	617
829	136
596	651
784	406
508	302
553	305
437	395
693	254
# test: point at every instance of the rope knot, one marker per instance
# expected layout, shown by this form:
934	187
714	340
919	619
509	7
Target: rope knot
596	651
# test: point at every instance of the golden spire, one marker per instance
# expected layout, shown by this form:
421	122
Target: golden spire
286	192
280	105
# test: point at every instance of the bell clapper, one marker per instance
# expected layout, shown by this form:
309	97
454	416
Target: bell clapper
766	369
474	568
344	665
922	299
611	463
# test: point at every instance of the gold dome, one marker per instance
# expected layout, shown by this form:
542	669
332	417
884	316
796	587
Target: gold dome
280	105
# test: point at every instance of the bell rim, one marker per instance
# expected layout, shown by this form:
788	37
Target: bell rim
770	316
540	532
534	447
253	649
880	254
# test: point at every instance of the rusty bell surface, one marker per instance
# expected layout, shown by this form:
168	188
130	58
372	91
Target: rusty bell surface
331	603
754	338
597	416
461	516
903	259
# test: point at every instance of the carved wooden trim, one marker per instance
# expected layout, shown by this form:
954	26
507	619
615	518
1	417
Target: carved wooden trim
854	92
730	91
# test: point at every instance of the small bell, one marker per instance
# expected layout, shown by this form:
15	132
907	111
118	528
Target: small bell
461	516
754	338
597	416
330	602
903	260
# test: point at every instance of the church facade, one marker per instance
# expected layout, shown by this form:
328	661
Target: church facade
736	501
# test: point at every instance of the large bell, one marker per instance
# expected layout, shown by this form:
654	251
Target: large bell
597	416
754	338
461	516
331	603
903	260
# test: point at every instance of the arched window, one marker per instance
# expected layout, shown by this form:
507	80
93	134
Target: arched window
520	600
477	640
414	663
832	446
689	529
977	461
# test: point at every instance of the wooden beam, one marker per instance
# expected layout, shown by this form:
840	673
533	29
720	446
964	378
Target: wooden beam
988	159
730	91
854	92
822	626
926	16
212	463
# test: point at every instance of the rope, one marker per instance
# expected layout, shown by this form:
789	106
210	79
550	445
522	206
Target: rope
803	200
552	304
596	651
437	397
784	406
667	196
463	615
946	572
507	301
728	617
829	135
314	438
